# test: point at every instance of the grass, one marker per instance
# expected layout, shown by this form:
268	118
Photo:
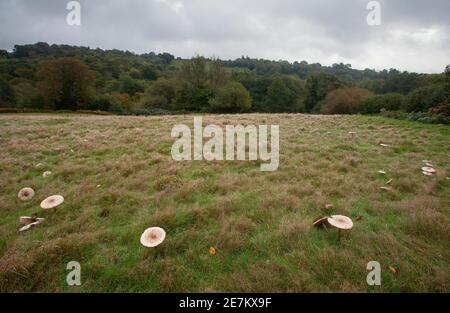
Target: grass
118	178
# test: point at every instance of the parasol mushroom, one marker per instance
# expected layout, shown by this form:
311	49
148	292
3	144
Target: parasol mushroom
340	222
52	202
153	237
428	169
26	193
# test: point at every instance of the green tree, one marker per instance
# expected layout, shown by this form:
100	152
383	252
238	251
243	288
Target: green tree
195	72
217	74
318	86
160	94
192	98
231	98
257	85
280	98
7	94
150	72
27	94
129	85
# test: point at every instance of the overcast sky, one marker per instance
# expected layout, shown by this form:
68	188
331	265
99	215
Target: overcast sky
414	35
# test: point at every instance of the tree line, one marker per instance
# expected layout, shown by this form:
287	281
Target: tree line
61	77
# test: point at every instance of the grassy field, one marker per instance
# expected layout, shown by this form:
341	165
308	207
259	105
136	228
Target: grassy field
118	178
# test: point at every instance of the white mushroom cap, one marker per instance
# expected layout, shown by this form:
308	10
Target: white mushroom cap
153	237
340	221
428	169
46	174
26	194
427	173
52	201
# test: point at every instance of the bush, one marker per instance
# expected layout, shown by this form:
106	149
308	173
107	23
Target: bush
374	104
152	111
344	100
424	98
107	103
102	103
231	98
417	116
159	95
192	98
443	108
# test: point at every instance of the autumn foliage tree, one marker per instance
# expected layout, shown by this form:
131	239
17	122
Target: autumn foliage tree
66	84
344	100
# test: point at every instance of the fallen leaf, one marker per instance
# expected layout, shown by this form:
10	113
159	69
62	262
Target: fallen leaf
393	269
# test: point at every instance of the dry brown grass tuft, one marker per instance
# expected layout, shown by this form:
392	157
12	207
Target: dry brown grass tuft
233	233
429	224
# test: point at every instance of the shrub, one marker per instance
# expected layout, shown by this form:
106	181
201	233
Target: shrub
424	98
107	103
374	104
192	98
443	108
417	116
231	98
344	100
159	95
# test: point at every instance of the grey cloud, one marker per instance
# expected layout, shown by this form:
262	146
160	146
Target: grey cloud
414	35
